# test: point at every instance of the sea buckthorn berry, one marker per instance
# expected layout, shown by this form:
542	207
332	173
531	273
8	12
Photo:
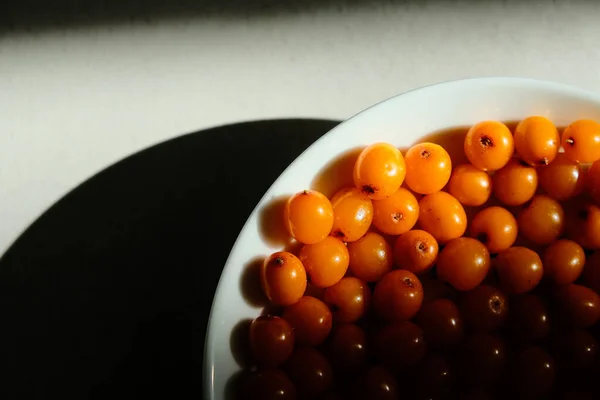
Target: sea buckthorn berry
593	181
528	319
579	305
398	296
533	373
484	308
400	344
283	278
442	216
428	168
576	348
581	141
542	221
310	371
415	251
537	140
349	299
495	227
482	359
377	383
370	257
563	261
489	145
519	270
463	263
515	184
583	223
470	185
271	340
308	216
562	179
269	384
325	262
348	347
441	322
397	213
352	214
311	320
591	272
379	170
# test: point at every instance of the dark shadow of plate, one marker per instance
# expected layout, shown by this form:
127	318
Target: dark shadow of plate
109	291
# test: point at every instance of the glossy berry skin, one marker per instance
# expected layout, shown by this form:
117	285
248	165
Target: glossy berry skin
581	141
529	319
515	184
593	181
379	170
584	224
428	168
576	348
534	371
562	179
415	251
283	278
378	383
325	262
269	384
311	320
470	185
463	263
400	344
371	257
519	270
441	322
482	359
495	227
271	340
353	214
398	296
348	348
397	213
542	221
579	305
484	308
442	216
310	371
537	140
349	299
591	272
489	145
308	216
563	261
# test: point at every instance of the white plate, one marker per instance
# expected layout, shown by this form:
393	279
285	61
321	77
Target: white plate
401	120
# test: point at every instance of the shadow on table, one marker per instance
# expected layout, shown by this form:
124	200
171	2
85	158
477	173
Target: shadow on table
109	291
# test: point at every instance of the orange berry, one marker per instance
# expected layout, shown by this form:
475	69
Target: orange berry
593	181
379	170
370	257
415	251
308	216
397	213
283	278
563	261
495	227
349	299
537	140
311	320
428	168
398	296
463	263
489	145
442	216
352	214
562	179
470	185
542	221
519	270
583	223
325	262
581	141
515	184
